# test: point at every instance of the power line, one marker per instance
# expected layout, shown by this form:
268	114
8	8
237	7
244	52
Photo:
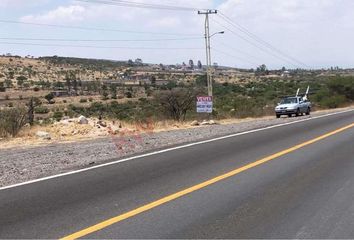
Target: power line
98	40
237	50
255	45
95	28
140	5
259	40
100	47
233	56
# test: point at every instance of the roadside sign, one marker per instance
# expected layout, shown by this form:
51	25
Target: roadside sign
205	104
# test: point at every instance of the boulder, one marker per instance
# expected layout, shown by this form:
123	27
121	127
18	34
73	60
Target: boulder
195	123
205	122
102	123
43	135
212	122
82	120
208	122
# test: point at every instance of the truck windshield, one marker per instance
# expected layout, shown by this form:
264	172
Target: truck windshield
288	100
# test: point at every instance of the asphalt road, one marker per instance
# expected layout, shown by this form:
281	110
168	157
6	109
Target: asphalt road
306	192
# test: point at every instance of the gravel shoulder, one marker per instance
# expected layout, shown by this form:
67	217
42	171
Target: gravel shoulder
23	164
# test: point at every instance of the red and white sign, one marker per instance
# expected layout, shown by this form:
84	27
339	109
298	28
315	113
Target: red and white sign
205	104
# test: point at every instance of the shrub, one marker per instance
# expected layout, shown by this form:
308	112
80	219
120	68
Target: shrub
11	121
41	110
49	97
58	116
36	89
83	100
333	101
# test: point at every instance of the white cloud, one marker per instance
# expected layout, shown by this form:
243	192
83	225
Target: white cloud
166	22
71	13
20	3
96	12
306	29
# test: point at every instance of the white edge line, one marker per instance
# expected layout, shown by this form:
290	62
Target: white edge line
170	149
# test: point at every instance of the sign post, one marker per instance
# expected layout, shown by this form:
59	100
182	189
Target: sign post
205	104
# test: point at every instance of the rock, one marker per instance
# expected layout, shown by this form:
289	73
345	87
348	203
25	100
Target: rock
195	123
212	122
43	135
205	122
65	122
102	123
82	120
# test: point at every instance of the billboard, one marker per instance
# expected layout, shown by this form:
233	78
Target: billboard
205	104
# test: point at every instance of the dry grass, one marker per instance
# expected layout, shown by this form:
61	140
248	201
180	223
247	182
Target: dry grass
65	132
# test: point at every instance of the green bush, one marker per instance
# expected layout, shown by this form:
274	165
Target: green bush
41	110
58	116
11	121
333	101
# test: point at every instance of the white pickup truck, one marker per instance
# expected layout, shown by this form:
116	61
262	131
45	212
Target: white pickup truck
293	105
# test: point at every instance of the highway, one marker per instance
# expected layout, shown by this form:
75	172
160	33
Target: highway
290	181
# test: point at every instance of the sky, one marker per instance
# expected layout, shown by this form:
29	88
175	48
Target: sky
290	33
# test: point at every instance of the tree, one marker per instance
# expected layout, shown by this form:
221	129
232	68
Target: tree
21	80
75	85
201	80
49	97
200	66
104	92
68	82
2	87
130	63
113	90
31	105
262	70
191	64
153	81
8	83
177	102
11	121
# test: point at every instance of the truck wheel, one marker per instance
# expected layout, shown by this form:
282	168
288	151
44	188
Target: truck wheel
297	112
308	112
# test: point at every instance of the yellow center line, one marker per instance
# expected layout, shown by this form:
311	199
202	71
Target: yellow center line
144	208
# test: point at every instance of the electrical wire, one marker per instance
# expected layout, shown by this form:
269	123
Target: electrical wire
94	28
259	40
97	40
140	5
237	50
101	47
233	56
255	45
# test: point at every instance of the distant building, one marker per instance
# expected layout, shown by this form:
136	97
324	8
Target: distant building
60	93
138	61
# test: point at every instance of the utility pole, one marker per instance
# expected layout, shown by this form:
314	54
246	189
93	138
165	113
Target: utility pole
208	52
